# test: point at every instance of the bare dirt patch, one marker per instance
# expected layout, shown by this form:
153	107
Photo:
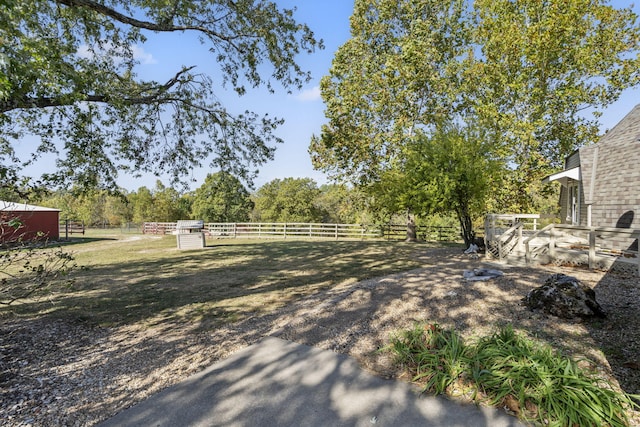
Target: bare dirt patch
66	372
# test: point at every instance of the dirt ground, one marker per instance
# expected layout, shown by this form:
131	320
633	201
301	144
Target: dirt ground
65	372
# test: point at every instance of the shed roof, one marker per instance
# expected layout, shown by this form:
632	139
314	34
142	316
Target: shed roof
23	207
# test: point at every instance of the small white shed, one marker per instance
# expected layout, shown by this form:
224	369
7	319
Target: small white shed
190	234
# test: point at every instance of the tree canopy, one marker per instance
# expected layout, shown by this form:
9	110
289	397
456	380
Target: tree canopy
221	198
69	78
524	71
452	169
288	200
396	73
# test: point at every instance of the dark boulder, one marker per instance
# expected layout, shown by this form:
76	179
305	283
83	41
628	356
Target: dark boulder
566	297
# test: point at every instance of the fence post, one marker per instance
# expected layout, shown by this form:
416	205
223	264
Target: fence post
336	231
285	230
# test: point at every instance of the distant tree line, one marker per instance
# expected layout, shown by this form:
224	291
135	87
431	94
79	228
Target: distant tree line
223	198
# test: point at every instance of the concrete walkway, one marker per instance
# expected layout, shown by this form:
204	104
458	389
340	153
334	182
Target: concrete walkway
281	383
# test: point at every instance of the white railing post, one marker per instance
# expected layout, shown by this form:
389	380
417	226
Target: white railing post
520	235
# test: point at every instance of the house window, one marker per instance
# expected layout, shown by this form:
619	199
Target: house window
573	204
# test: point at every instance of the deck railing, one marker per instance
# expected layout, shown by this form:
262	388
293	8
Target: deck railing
598	247
504	233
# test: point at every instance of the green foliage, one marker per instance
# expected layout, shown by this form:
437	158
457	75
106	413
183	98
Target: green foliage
523	71
288	200
455	170
341	204
221	198
162	204
69	77
549	388
451	171
544	62
166	204
408	52
435	357
509	369
438	220
142	201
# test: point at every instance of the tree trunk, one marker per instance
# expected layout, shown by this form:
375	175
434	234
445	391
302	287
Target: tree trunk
412	236
466	225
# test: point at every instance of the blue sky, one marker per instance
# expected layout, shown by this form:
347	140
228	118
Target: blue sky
303	112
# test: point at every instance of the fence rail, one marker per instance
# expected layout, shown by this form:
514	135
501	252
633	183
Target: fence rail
424	232
158	227
70	226
310	230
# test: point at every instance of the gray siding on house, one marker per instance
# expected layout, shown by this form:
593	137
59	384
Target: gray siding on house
616	184
609	177
573	161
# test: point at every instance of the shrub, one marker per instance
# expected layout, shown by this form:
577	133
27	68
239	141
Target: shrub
509	369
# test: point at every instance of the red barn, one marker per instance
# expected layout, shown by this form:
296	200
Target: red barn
37	222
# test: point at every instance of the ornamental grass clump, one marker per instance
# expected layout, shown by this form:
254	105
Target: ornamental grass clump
510	370
541	385
436	357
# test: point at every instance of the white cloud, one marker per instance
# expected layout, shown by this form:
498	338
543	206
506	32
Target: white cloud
142	56
138	53
312	94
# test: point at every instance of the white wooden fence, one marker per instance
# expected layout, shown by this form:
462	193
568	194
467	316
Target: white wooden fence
273	230
256	230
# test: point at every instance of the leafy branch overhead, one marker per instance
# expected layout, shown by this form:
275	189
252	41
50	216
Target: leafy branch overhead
69	77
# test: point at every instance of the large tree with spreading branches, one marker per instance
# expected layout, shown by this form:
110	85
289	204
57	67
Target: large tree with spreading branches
526	71
69	80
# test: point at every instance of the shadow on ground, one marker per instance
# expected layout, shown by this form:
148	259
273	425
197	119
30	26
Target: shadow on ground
622	285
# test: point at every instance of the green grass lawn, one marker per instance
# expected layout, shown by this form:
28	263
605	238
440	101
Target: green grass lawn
133	278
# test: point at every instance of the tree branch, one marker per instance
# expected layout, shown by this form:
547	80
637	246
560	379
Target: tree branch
165	26
28	102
